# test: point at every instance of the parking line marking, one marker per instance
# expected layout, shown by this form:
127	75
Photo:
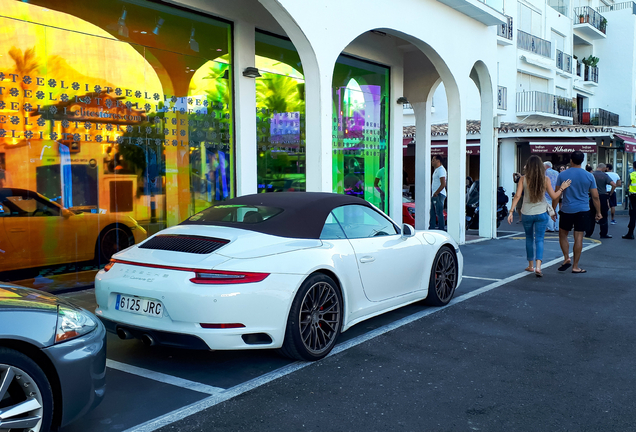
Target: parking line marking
166	379
480	278
196	407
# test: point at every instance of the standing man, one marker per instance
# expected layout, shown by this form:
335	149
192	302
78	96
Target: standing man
612	196
631	184
575	209
552	175
438	187
603	182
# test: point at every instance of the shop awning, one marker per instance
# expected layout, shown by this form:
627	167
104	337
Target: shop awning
630	143
565	146
440	148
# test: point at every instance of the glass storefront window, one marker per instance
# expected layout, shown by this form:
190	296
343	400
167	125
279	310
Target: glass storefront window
116	121
360	130
280	115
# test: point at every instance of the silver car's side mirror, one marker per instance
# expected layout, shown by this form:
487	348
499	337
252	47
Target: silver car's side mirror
407	230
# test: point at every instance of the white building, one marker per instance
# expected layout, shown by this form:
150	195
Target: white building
566	79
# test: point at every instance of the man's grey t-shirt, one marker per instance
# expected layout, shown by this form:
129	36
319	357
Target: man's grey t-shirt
602	181
575	197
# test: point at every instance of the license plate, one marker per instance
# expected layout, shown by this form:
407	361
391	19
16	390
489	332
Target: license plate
139	305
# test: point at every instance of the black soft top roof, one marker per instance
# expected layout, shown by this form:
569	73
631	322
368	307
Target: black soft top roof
303	213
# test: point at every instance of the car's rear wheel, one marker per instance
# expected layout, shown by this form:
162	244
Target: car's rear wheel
444	276
314	320
113	239
26	398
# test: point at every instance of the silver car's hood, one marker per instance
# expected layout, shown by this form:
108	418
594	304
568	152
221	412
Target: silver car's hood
17	297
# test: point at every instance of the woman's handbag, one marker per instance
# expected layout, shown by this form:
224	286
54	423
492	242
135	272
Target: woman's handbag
550	210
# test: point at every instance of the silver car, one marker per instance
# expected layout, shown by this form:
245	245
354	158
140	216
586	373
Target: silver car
52	360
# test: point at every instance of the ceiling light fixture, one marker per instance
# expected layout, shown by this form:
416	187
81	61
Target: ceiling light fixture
121	24
402	100
158	25
194	45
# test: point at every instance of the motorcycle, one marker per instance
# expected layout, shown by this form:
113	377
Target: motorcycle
472	206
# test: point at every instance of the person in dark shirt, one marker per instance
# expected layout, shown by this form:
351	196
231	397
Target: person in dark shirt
602	181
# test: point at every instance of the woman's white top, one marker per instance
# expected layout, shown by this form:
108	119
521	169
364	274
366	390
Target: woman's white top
530	208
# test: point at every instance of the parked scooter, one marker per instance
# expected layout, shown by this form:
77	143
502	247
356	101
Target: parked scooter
472	206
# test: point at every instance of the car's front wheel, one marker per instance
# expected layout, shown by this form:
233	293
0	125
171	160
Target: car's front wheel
315	319
444	277
26	398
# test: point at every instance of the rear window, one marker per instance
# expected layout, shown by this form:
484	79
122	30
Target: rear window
247	214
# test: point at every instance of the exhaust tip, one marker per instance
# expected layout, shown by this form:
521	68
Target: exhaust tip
147	340
123	333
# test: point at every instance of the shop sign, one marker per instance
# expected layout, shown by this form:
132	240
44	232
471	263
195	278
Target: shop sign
631	148
562	148
443	150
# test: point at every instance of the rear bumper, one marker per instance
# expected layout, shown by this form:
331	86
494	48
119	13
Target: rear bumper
81	367
176	340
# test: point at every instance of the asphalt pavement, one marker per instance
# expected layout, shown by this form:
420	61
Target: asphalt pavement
512	352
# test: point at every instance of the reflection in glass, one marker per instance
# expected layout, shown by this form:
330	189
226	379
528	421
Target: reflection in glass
280	116
120	133
360	126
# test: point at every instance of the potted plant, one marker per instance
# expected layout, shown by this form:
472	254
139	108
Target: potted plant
603	25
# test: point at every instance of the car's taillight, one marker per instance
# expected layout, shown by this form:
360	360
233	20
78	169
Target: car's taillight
226	277
222	326
109	265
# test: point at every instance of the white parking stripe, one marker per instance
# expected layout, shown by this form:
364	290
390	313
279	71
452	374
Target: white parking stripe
208	402
167	379
480	278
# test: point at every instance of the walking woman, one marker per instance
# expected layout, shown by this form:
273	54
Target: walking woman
534	185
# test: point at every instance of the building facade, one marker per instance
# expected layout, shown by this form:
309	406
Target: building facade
120	118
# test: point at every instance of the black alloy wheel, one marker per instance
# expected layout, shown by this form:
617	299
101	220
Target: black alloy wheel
26	397
444	277
315	319
113	239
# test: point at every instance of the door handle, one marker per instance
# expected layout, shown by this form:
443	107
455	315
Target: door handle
367	259
17	230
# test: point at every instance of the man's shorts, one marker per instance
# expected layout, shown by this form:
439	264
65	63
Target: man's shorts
612	200
577	220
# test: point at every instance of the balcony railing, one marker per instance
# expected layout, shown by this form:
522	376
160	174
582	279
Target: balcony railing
591	74
527	42
563	61
586	14
597	117
502	98
618	6
539	102
578	68
561	6
505	30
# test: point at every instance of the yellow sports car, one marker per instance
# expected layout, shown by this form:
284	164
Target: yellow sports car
36	232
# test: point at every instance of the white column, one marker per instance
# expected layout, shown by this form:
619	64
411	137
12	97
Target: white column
244	49
507	167
422	163
318	126
396	156
487	171
456	181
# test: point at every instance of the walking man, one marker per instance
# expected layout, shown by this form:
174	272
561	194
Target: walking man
612	196
575	209
631	185
603	181
552	175
438	187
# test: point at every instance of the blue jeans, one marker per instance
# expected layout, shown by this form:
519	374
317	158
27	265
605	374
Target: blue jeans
534	225
437	210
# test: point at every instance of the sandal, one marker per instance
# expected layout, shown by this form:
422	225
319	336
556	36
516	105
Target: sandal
565	266
538	273
529	269
580	271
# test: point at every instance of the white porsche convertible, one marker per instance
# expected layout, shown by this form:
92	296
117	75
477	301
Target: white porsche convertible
282	270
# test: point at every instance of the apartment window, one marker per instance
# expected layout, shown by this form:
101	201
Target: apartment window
529	20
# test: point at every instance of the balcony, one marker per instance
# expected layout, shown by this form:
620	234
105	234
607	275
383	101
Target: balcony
504	31
540	106
618	6
597	117
502	98
536	45
589	23
563	61
578	68
487	12
590	75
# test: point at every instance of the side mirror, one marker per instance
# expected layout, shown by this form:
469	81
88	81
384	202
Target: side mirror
66	213
407	230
